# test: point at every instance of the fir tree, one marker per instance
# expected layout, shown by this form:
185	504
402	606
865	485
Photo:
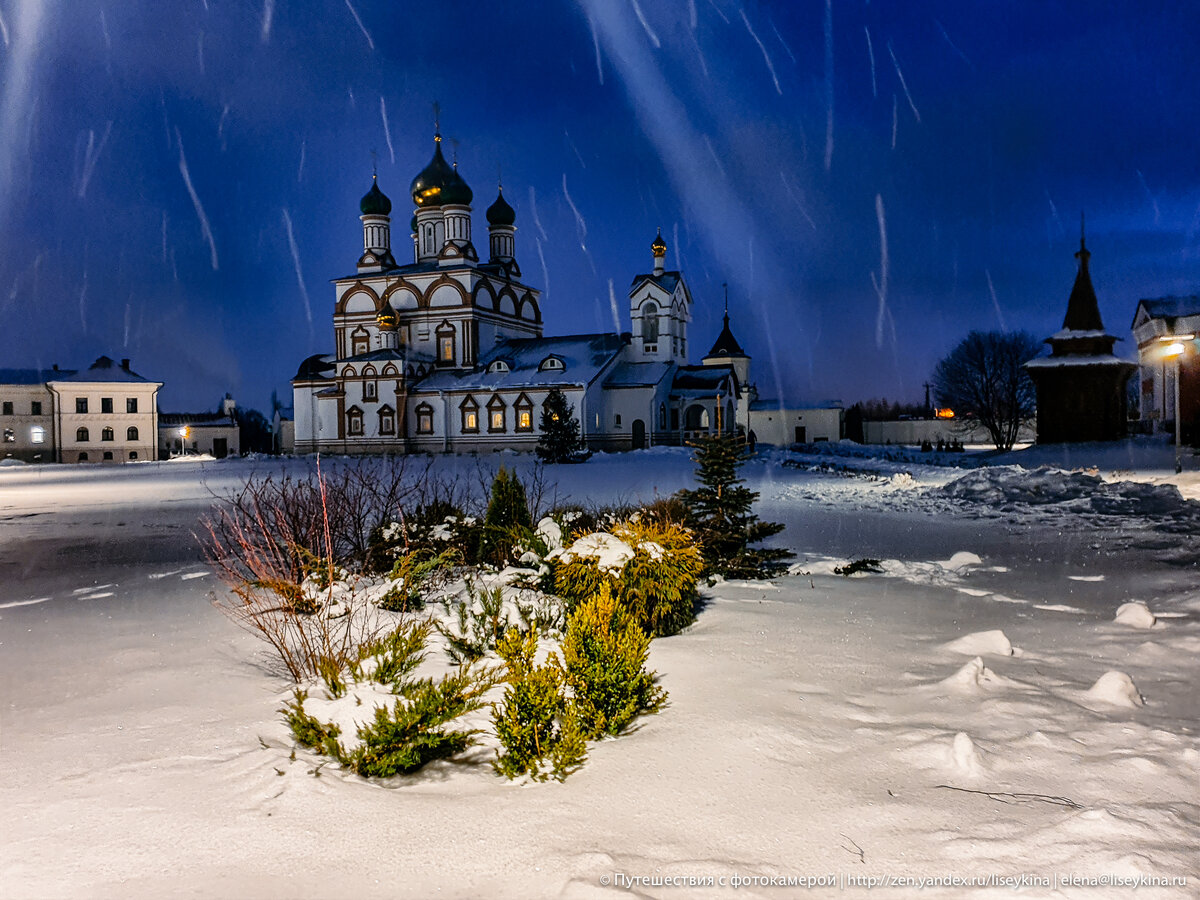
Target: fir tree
507	522
722	516
560	431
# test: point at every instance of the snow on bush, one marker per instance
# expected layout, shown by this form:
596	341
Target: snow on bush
1135	615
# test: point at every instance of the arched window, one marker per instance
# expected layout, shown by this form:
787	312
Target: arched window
552	364
469	410
498	365
662	416
370	390
649	324
387	420
131	433
445	344
83	457
524	410
108	455
354	421
106	434
133	454
696	418
497	418
360	341
424	419
81	436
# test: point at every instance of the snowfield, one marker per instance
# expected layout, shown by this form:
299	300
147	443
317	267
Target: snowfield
1012	699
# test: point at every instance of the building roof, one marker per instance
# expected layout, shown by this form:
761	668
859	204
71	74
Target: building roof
726	344
1171	307
375	202
1083	311
668	281
318	367
33	376
627	374
774	404
1055	362
702	378
196	420
105	370
408	354
584	357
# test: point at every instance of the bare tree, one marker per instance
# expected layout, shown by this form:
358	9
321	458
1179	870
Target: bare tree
983	380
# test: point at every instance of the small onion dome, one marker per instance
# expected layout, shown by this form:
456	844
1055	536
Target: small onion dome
375	202
500	213
387	320
439	183
659	246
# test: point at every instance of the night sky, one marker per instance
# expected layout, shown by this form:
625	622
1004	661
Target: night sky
179	181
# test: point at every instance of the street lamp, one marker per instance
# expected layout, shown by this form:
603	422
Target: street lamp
1174	349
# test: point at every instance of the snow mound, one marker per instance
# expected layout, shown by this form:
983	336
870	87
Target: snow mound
994	642
961	560
965	756
974	677
1116	689
1135	615
902	480
1005	487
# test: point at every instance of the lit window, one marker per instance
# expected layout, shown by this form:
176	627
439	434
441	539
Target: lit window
524	420
37	435
424	419
471	421
131	434
497	420
131	404
446	348
106	405
10	436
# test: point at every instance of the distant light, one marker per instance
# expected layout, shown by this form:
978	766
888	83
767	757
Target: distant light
1176	337
943	413
183	432
37	434
1175	349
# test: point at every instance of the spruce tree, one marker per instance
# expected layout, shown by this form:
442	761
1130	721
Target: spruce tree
560	430
507	522
722	516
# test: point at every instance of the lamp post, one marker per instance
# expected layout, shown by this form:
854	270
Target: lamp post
1174	349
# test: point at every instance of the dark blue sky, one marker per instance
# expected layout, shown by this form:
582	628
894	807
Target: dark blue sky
159	162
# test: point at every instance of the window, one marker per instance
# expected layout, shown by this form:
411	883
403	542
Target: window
131	433
445	344
424	419
360	342
80	405
81	435
106	405
387	420
469	410
650	326
498	365
551	364
10	436
106	434
662	416
133	454
370	390
496	415
35	408
37	435
131	404
108	454
83	457
354	421
617	420
7	408
524	408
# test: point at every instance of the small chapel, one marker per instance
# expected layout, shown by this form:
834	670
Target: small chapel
445	352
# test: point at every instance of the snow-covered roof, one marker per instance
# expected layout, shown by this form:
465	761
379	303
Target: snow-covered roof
104	370
702	379
1171	307
627	374
773	403
196	420
583	358
33	376
668	281
407	354
316	368
1054	362
1067	334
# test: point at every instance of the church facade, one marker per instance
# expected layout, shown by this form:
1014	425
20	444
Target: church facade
446	352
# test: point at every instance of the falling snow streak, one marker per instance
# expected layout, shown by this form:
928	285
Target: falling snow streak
387	132
580	224
699	54
91	154
128	311
791	192
677	248
881	286
724	18
268	17
83	304
534	212
646	25
903	83
361	26
19	106
783	44
828	85
221	126
693	16
187	180
1149	196
1054	213
713	153
107	41
545	271
200	51
3	28
763	48
164	236
995	302
574	149
871	57
895	119
287	224
300	169
953	46
616	311
596	45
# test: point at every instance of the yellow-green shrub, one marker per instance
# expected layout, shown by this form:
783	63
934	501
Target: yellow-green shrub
653	576
604	655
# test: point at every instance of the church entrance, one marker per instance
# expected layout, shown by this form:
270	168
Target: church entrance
639	434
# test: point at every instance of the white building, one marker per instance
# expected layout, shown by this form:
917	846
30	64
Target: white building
779	424
1153	322
107	413
446	353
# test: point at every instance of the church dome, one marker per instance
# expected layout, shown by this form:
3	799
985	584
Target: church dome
659	246
375	202
439	183
500	213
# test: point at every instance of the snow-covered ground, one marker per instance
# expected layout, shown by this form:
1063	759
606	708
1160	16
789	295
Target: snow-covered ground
1013	697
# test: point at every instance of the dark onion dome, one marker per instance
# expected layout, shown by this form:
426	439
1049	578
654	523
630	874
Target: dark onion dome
659	246
500	213
375	202
439	183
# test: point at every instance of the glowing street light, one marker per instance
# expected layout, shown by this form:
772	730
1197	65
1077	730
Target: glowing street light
1174	349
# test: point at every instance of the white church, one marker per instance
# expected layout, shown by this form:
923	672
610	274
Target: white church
446	353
